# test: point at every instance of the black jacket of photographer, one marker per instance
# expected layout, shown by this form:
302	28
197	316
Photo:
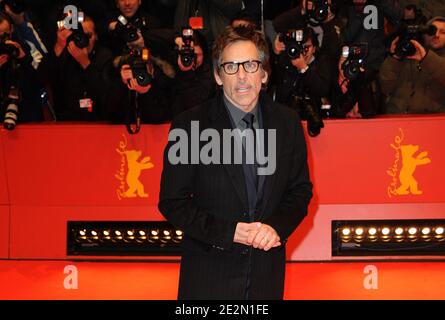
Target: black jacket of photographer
154	106
354	31
316	82
27	80
294	19
115	41
192	88
70	83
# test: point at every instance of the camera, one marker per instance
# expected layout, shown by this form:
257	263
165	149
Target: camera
318	10
404	47
78	35
308	109
412	29
6	48
293	40
12	109
137	59
16	6
128	31
187	53
355	60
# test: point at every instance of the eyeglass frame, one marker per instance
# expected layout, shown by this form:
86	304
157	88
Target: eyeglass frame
222	65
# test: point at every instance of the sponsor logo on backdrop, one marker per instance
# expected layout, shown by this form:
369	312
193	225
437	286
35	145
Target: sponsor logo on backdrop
130	170
406	159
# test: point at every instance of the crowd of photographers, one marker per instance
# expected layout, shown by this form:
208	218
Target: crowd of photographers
145	61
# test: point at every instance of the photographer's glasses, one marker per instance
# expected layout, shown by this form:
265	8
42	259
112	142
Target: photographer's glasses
250	66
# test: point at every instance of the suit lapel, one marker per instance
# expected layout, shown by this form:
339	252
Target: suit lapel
270	121
220	120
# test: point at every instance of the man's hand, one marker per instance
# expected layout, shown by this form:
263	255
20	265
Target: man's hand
245	230
80	55
139	43
420	52
278	46
3	59
299	63
62	36
132	84
18	46
17	18
264	238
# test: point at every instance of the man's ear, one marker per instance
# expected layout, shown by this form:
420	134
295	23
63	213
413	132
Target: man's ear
217	77
265	77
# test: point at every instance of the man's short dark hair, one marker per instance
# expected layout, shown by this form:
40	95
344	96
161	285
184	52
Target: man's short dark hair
241	33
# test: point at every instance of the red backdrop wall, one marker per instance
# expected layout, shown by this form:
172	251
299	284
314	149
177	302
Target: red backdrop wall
53	173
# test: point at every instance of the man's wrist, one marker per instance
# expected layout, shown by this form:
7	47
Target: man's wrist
304	69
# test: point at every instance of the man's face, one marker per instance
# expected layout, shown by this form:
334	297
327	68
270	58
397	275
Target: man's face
308	51
128	7
5	28
242	88
88	28
438	40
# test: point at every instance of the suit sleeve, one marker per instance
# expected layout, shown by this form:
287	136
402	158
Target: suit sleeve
177	204
295	200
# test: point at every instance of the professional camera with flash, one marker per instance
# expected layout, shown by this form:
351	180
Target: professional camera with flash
187	52
138	60
355	56
128	31
293	40
317	10
78	35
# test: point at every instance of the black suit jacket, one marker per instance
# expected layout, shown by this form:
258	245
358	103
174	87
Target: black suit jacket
207	201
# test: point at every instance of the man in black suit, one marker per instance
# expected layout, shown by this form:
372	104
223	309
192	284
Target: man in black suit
236	218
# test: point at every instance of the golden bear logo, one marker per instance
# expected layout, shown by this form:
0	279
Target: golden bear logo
132	187
409	164
403	182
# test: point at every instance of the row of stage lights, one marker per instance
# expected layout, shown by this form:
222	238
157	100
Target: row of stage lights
123	238
388	237
130	235
397	234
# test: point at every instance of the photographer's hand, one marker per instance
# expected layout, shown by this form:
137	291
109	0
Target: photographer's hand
80	55
62	36
130	82
278	46
299	63
184	68
420	52
17	18
392	49
18	46
3	59
139	43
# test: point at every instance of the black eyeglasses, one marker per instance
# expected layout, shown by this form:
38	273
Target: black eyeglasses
250	66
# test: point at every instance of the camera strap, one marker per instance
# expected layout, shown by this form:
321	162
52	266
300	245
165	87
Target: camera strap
133	107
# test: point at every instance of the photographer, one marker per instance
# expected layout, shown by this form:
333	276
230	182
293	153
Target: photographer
13	61
364	89
194	81
31	103
416	83
77	70
305	77
326	25
143	92
129	27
